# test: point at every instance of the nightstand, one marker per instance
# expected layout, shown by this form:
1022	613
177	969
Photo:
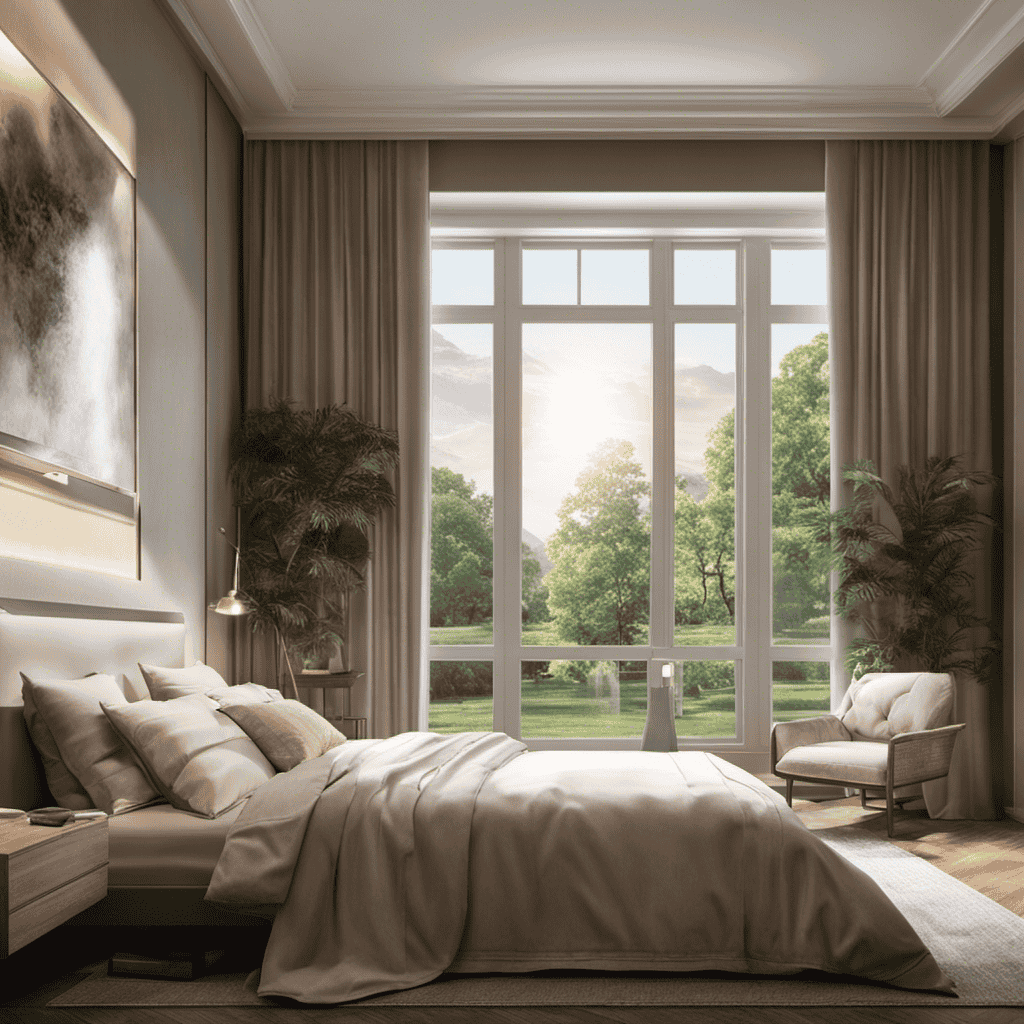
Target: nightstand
324	681
47	875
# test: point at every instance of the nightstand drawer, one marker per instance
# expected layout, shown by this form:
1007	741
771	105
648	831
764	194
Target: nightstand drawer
34	919
39	869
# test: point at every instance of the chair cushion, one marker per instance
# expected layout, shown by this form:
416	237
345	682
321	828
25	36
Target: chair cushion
881	705
852	761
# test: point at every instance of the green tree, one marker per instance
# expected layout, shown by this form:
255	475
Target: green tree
705	556
461	550
600	581
801	471
535	591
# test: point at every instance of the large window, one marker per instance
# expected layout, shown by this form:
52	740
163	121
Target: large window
593	516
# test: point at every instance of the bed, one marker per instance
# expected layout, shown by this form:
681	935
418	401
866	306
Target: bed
383	863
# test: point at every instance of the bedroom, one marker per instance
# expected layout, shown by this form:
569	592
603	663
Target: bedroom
188	145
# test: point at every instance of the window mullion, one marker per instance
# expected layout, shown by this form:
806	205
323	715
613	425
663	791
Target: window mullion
756	503
507	586
662	610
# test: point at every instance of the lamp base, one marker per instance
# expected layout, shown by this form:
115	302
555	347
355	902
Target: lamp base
660	727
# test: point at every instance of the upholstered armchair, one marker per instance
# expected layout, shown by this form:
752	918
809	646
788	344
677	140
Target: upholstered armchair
891	730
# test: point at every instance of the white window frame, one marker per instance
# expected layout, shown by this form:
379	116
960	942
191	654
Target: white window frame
775	226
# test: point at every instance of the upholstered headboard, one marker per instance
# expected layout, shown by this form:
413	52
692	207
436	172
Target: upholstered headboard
49	640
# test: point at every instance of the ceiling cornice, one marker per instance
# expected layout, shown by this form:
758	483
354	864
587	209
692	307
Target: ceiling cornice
982	45
264	51
234	46
740	111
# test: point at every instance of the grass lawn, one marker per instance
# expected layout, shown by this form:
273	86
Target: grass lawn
553	709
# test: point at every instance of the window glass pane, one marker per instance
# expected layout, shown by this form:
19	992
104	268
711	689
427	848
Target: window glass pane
462	277
584	698
615	277
705	698
800	483
705	501
705	277
586	464
462	474
549	277
798	277
461	696
800	689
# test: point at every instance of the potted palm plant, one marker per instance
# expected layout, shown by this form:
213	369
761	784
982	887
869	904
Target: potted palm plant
902	558
308	483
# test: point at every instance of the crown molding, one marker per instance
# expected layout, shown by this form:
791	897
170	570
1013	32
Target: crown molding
264	51
992	35
208	57
740	112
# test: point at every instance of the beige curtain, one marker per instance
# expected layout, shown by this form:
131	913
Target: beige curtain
336	272
908	239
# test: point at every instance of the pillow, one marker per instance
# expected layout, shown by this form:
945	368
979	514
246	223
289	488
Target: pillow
95	769
168	683
286	731
245	693
200	760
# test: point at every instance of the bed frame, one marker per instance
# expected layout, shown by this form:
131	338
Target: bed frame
68	641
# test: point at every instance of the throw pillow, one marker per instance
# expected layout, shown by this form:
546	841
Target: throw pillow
286	731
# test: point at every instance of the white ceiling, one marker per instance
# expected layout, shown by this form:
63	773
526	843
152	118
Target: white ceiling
591	68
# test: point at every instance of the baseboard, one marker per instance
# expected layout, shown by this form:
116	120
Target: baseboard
1017	813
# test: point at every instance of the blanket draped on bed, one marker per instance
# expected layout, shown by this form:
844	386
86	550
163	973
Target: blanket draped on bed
395	860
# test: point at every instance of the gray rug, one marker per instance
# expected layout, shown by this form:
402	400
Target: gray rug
978	943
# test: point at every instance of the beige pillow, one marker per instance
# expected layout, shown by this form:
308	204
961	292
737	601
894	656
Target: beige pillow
168	683
244	693
199	759
286	731
96	770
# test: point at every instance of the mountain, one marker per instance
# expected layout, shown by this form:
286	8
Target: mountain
536	545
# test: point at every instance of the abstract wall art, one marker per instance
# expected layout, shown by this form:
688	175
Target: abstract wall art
67	287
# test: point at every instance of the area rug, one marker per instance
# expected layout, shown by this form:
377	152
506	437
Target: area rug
978	943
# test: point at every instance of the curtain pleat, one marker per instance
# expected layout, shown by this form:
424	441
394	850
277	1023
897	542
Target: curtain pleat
908	242
336	269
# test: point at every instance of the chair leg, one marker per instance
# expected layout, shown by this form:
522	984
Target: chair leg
863	797
789	792
888	810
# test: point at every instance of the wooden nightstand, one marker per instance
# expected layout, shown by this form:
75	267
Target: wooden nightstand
47	875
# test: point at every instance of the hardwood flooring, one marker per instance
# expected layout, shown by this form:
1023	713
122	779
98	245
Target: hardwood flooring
988	856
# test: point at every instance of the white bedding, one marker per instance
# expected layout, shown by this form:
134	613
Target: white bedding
394	860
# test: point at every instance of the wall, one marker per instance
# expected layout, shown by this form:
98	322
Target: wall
187	312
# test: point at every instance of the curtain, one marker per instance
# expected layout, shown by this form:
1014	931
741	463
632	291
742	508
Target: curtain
336	239
908	240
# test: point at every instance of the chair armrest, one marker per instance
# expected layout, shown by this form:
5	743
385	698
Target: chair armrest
802	732
923	755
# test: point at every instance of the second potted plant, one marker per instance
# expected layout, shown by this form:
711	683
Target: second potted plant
309	483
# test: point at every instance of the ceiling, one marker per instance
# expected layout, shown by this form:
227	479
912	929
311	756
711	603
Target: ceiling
593	68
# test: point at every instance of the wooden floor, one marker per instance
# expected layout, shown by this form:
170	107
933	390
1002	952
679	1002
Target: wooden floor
988	856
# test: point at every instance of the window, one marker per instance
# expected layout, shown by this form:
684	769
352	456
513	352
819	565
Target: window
593	517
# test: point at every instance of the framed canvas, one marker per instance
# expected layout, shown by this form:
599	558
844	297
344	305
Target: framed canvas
67	296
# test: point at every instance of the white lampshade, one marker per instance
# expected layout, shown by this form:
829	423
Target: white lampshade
231	605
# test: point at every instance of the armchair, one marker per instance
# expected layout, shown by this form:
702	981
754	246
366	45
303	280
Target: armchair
891	730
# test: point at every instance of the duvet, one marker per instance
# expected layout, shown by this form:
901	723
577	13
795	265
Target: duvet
387	862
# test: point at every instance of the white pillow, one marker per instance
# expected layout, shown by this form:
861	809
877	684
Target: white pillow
199	759
96	770
245	693
168	683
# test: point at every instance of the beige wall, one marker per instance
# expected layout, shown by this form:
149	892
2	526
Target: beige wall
691	165
186	316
